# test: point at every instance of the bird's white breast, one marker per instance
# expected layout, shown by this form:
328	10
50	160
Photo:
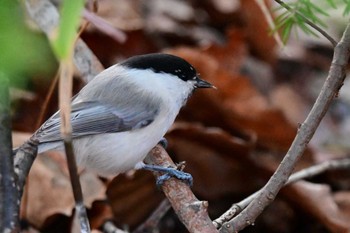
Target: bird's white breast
120	152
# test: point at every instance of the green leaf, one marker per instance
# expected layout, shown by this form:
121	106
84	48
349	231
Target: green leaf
286	30
67	30
303	26
317	9
23	52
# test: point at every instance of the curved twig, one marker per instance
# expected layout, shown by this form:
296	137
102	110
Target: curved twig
300	175
306	130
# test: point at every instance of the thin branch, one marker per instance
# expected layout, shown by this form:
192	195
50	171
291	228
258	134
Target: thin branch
65	96
300	175
191	212
8	192
45	104
23	160
76	186
47	17
307	129
317	169
104	26
311	24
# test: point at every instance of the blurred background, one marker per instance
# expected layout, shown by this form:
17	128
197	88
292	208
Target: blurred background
232	138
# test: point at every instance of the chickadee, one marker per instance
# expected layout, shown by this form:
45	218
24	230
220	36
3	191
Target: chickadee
119	116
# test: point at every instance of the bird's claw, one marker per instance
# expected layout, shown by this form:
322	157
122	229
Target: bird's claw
169	173
183	176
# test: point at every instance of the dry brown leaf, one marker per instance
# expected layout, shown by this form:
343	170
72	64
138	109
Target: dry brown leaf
317	200
217	161
133	198
99	213
257	30
231	55
237	106
342	198
49	191
284	97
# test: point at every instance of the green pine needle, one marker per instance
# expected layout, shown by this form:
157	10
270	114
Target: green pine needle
312	10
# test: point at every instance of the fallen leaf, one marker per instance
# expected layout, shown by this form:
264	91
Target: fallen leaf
237	106
49	191
317	200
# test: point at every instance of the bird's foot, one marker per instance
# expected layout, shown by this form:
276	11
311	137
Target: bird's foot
169	173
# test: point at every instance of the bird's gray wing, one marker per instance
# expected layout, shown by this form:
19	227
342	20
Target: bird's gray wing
89	118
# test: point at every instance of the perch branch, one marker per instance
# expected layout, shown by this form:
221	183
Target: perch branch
191	212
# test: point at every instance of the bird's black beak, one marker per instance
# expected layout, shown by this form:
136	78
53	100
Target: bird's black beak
200	83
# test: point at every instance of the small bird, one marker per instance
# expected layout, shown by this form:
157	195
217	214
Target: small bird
120	115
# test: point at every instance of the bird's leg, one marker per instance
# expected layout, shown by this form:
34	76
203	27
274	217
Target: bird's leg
169	172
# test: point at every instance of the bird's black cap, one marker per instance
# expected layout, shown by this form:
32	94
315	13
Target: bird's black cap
161	62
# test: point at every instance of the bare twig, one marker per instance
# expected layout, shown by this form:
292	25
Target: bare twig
307	129
23	160
311	24
46	101
104	26
319	168
65	96
153	220
76	186
47	17
191	212
300	175
24	157
8	192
